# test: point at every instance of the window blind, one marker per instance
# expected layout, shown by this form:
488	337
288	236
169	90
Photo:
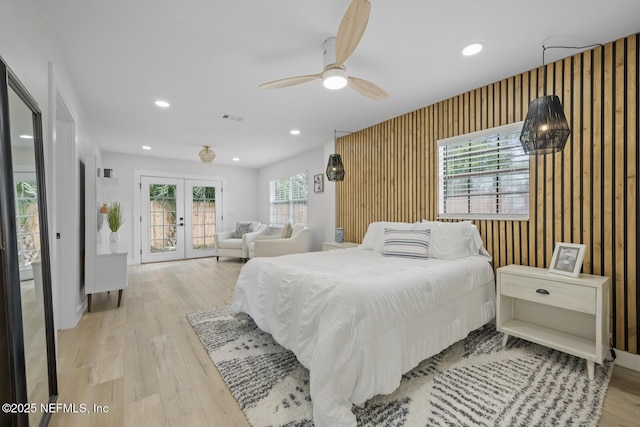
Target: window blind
484	175
288	200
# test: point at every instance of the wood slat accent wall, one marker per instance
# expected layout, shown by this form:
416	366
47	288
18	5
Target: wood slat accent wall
585	194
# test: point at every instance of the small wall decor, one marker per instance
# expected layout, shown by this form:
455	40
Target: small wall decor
567	259
318	183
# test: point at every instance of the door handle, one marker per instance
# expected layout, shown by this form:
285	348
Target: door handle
543	291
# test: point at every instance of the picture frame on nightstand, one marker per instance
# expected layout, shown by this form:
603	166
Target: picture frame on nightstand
567	259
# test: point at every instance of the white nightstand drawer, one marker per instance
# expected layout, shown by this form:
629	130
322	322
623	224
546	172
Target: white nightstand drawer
572	297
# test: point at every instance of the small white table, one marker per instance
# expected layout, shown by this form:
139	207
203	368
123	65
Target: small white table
560	312
329	246
111	275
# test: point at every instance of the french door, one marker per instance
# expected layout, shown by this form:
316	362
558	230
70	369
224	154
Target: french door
179	218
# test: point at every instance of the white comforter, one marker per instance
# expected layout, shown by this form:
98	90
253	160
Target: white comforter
358	320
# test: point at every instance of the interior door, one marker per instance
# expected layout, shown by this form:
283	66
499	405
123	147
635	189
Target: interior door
162	217
202	217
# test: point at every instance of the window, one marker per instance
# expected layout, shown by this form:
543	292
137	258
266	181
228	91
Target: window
484	175
288	200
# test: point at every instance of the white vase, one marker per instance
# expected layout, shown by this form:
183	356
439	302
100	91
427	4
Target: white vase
113	237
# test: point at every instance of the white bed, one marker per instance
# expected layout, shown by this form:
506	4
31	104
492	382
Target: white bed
358	320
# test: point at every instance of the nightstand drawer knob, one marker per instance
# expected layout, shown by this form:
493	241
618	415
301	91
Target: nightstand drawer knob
543	291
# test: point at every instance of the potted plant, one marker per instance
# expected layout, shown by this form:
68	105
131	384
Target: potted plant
114	219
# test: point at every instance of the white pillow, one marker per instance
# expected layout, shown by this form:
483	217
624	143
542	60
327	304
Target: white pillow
451	240
374	237
406	243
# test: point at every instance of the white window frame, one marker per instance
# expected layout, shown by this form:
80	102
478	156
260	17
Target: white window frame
273	220
512	132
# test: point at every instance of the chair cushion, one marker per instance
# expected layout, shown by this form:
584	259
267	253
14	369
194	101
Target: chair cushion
230	244
241	228
286	231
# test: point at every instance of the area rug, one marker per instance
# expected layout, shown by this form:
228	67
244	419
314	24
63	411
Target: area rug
475	382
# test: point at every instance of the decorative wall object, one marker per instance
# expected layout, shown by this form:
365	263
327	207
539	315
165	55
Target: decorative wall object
318	183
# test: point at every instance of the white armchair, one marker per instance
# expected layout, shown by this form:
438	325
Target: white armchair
229	244
270	246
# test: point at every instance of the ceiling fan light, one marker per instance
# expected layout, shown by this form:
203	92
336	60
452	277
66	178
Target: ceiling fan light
207	155
334	78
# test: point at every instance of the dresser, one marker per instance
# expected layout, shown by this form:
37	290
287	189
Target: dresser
564	313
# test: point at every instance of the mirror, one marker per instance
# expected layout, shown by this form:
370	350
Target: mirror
26	281
29	261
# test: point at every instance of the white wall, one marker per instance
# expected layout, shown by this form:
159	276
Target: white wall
240	196
320	206
27	45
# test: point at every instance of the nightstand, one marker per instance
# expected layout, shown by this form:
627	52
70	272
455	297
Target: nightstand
329	246
560	312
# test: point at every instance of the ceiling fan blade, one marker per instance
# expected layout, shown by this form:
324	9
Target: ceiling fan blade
290	81
351	29
367	89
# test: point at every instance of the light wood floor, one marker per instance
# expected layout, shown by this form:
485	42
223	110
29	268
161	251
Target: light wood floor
144	362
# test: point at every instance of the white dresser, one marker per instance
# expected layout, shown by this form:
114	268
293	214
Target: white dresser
565	313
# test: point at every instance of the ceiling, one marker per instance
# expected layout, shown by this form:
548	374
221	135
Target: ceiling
207	58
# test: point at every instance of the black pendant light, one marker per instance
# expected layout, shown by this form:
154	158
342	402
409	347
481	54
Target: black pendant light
545	128
335	168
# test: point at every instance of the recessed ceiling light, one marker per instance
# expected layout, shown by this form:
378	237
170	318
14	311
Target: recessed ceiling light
162	104
472	49
294	132
146	147
236	159
25	136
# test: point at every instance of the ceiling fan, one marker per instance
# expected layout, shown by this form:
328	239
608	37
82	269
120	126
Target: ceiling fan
336	51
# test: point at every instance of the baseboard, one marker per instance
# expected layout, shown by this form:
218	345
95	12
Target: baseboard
627	360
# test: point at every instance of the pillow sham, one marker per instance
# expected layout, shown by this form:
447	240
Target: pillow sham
451	240
406	243
374	237
241	229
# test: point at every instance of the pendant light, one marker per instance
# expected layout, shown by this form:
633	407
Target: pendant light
335	168
545	128
207	155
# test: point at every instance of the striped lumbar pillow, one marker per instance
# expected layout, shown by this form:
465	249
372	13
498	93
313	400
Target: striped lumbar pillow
406	243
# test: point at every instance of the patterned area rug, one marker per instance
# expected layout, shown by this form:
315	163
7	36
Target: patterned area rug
475	382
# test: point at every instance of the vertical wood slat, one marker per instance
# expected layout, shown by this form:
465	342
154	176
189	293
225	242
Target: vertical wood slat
585	194
633	127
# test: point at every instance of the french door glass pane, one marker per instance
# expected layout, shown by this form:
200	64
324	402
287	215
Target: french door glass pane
162	218
203	220
28	224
